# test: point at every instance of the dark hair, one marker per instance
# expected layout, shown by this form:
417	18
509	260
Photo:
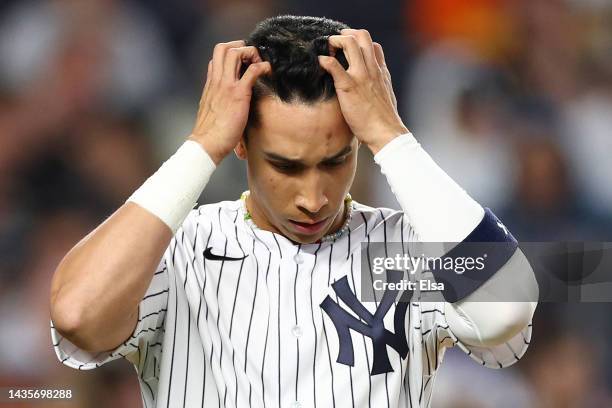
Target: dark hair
291	44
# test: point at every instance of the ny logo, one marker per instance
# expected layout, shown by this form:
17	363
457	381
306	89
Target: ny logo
373	327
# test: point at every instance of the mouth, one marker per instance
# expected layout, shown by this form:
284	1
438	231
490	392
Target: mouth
309	228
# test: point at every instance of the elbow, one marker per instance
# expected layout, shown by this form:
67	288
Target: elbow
69	321
491	322
504	320
66	311
513	317
63	312
69	324
488	324
64	315
86	328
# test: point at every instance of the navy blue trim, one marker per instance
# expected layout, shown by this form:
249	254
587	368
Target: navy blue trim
490	237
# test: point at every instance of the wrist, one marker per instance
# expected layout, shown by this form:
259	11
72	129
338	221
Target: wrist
173	190
216	154
385	136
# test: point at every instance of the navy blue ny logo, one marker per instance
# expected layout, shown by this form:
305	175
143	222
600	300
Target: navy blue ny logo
373	327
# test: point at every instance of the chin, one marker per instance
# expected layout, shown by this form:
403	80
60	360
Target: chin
301	239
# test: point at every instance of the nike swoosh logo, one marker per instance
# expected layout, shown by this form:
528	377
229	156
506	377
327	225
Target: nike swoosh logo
209	255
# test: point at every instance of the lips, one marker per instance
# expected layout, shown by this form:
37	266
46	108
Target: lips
309	227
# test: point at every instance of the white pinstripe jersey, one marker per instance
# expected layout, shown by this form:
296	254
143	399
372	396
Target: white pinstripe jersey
251	332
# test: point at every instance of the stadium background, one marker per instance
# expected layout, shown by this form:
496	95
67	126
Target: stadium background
513	98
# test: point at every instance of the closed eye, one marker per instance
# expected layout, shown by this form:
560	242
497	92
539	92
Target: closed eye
285	167
336	162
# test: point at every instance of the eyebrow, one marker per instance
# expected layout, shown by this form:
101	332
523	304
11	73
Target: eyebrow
277	157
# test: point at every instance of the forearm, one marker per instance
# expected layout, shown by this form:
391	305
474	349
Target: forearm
439	210
99	284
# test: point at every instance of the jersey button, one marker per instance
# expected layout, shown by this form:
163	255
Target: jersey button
298	258
296	404
296	331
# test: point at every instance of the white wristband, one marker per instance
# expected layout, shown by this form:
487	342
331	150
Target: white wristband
173	190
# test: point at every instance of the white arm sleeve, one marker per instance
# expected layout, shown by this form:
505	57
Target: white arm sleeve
479	320
439	210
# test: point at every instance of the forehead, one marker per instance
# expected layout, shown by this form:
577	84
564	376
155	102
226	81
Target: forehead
297	130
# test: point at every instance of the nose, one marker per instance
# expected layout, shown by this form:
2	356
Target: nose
311	197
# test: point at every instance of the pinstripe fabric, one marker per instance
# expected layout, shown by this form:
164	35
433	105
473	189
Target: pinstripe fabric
251	333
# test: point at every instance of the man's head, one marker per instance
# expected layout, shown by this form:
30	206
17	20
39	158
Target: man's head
291	44
301	153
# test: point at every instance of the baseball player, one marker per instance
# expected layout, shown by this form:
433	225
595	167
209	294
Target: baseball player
256	301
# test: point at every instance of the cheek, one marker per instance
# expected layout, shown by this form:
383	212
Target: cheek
348	171
270	185
268	180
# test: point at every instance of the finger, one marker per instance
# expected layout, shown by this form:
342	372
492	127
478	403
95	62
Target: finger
352	51
380	58
364	40
208	78
380	54
342	80
254	71
219	53
234	59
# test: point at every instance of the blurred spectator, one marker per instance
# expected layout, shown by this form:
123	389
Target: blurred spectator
544	206
117	43
564	373
548	54
588	142
457	112
113	156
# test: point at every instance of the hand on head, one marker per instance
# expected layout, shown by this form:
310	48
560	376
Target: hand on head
364	90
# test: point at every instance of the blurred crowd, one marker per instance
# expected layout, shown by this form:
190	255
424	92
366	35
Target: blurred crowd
513	98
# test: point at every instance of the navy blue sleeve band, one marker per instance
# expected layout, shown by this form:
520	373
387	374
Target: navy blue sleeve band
491	241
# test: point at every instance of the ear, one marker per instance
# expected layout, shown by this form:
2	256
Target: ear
240	149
